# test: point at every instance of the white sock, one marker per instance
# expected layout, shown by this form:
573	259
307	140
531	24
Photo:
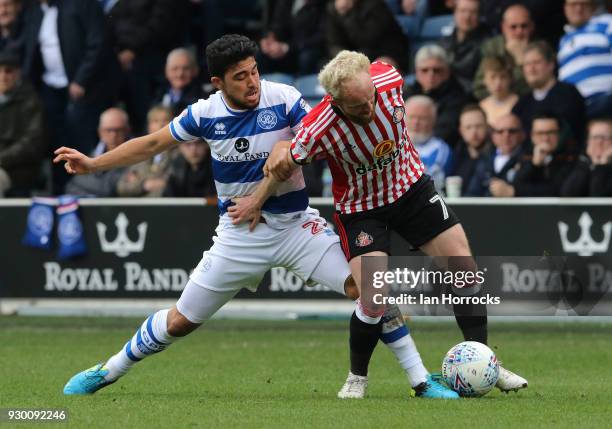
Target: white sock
408	356
152	337
370	320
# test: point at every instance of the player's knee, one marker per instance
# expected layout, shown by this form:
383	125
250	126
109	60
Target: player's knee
350	288
179	325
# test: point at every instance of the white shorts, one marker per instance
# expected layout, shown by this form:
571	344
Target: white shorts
239	258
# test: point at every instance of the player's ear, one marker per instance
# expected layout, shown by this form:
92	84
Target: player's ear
217	83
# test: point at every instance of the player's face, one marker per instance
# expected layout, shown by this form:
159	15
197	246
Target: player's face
241	85
358	100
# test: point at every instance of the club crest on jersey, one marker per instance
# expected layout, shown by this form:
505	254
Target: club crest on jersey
398	114
384	148
267	119
363	239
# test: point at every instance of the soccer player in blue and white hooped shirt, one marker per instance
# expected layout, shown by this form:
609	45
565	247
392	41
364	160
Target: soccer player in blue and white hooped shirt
241	123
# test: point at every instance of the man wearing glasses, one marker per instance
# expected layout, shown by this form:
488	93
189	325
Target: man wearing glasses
509	140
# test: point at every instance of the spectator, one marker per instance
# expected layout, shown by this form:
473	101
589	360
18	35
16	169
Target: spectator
191	172
148	178
367	26
544	174
67	55
410	14
516	32
113	130
21	140
463	45
10	25
592	175
471	156
295	41
509	140
434	79
497	73
585	55
434	152
183	86
144	32
547	94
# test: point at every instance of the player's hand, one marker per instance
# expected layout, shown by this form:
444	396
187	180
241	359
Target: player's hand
75	161
278	164
245	209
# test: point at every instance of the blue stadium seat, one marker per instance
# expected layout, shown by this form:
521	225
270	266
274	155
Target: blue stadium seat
436	27
285	78
411	25
309	87
409	79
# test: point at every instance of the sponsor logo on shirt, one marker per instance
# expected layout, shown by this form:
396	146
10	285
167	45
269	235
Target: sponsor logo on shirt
220	128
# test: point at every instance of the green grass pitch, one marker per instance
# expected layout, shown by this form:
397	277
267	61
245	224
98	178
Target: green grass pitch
268	374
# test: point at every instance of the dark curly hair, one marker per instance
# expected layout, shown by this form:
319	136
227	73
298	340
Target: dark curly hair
227	51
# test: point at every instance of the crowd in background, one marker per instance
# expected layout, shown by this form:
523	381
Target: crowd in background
514	97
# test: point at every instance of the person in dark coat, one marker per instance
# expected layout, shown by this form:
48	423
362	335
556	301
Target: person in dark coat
68	57
191	172
21	134
367	26
471	157
592	175
550	95
295	40
11	25
434	79
543	175
144	31
183	86
464	44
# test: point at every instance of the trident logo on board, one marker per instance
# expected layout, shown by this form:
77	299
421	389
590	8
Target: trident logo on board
585	245
122	246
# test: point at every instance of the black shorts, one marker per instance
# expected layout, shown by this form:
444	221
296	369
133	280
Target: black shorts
417	216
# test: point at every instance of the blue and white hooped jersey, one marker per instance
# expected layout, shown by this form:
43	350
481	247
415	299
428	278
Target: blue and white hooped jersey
241	140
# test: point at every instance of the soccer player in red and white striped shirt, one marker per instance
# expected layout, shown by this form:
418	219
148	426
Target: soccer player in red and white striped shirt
379	186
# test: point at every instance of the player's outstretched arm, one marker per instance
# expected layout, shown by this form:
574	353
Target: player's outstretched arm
131	152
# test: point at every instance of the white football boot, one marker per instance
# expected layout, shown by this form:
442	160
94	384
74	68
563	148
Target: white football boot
509	381
354	387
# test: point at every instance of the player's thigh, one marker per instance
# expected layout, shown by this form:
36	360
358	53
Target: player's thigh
334	272
362	233
198	303
423	216
238	259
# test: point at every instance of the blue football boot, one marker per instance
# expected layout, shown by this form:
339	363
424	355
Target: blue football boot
87	382
434	388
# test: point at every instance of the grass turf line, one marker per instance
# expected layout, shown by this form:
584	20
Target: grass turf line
286	374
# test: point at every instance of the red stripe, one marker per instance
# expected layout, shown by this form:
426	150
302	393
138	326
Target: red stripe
342	235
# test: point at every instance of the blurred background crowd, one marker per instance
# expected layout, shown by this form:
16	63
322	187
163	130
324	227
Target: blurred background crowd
514	97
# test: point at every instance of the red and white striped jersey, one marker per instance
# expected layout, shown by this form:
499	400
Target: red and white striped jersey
372	165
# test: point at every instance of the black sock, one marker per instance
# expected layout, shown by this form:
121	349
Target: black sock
474	328
362	341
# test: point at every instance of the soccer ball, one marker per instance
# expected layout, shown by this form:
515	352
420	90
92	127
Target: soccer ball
470	369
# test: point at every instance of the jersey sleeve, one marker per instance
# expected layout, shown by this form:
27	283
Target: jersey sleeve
186	126
297	108
304	147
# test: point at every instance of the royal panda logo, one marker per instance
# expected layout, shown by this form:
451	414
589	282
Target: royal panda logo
241	145
388	156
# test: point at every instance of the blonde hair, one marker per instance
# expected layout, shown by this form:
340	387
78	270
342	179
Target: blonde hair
159	109
340	69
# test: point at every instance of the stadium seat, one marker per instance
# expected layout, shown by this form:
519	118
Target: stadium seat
411	25
394	5
309	87
285	78
437	27
409	79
